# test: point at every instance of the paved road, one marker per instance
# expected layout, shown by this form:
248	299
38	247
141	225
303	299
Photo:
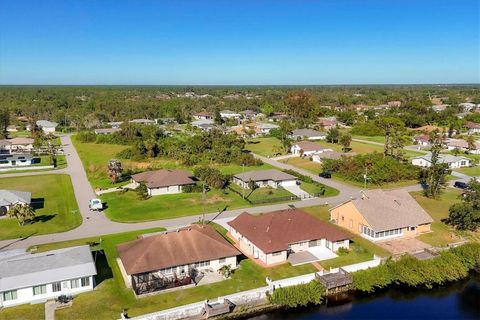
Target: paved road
95	224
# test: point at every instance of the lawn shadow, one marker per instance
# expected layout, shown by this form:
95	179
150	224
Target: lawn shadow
42	218
104	272
37	203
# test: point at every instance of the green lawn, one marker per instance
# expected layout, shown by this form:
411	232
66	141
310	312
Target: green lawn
315	188
267	147
111	296
53	196
379	139
261	193
471	171
438	209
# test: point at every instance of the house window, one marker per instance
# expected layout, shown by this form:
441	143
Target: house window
327	244
10	295
312	243
38	290
222	260
56	286
278	253
202	264
412	228
75	283
85	281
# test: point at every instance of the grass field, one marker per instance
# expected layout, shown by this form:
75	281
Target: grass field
267	147
111	296
471	171
379	139
53	198
96	156
438	209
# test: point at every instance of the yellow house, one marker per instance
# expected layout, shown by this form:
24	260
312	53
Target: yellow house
382	214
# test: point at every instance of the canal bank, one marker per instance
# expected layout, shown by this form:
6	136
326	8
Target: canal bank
456	300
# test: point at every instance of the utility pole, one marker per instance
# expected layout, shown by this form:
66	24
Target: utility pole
243	183
204	198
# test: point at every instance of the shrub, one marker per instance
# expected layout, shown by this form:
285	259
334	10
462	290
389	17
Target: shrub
299	295
192	188
86	136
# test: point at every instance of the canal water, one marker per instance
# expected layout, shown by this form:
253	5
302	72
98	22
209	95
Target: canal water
459	300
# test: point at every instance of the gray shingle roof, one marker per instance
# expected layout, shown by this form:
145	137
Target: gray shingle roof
46	124
390	209
9	197
262	175
442	158
28	270
307	133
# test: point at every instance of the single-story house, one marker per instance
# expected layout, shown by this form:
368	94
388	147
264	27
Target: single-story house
277	116
327	123
16	160
12	128
17	144
115	124
143	121
9	198
422	140
205	124
332	155
38	277
452	161
229	114
308	134
47	126
286	235
461	144
248	114
263	178
163	181
382	214
473	128
307	148
265	128
439	107
467	106
203	115
107	130
174	258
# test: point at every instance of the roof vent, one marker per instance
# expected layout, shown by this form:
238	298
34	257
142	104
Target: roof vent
397	202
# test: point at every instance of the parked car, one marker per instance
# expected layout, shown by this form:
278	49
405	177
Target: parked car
96	205
460	185
326	175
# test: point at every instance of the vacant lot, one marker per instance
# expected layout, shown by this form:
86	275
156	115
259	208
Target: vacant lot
442	234
111	296
379	139
54	203
267	147
471	171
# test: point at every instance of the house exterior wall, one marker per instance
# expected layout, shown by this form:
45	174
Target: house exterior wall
452	165
48	129
348	217
164	190
265	183
25	295
18	163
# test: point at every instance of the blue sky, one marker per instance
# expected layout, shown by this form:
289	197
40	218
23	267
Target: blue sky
239	42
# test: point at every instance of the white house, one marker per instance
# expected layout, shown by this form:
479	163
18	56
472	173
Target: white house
47	126
143	121
452	161
164	181
467	106
9	198
205	124
286	235
115	124
106	131
38	277
265	128
229	114
422	140
264	178
16	160
307	148
174	258
203	115
462	145
308	134
473	128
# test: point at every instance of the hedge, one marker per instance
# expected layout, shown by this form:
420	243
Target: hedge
298	295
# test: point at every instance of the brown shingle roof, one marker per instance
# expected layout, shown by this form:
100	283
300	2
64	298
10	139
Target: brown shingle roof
164	178
274	231
176	248
262	175
392	209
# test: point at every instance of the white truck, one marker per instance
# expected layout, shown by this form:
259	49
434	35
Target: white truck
96	205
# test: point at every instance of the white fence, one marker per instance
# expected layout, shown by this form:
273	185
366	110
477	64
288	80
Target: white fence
250	296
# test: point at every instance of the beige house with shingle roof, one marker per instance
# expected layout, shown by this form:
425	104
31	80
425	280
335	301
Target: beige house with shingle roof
163	181
264	178
382	214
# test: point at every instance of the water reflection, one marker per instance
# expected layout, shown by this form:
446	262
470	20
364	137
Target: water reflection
459	300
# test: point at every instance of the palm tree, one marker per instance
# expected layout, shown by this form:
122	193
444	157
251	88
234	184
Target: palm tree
21	212
114	170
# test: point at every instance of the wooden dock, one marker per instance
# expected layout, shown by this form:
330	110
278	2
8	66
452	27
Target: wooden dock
336	282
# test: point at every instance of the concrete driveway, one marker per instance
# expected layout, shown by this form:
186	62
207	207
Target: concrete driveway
299	192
